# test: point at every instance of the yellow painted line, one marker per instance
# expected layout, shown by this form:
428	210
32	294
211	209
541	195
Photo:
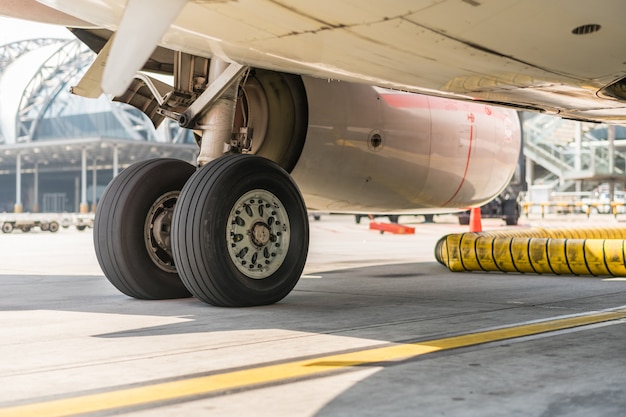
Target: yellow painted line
526	330
280	373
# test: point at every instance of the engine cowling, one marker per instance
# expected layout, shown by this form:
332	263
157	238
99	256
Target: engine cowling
371	149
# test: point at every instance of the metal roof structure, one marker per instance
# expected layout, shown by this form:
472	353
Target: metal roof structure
65	154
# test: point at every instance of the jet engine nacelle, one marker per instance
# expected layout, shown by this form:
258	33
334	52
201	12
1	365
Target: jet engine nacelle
358	148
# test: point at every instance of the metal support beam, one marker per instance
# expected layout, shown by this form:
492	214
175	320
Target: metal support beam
77	193
36	188
18	208
578	142
530	172
578	158
84	208
94	186
116	167
611	139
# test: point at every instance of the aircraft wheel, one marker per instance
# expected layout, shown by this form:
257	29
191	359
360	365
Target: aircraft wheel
240	232
132	229
511	211
7	227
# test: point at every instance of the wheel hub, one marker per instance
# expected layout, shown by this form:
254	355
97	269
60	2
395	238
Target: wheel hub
157	231
258	234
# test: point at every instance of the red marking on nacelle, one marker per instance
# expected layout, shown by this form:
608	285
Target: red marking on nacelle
406	100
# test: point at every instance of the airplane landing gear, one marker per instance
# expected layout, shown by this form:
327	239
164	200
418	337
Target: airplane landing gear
233	232
240	232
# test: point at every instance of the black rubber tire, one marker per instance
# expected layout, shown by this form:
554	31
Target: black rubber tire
199	242
510	221
81	227
119	229
511	211
7	227
53	227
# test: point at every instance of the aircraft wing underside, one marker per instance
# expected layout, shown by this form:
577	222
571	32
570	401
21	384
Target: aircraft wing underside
564	57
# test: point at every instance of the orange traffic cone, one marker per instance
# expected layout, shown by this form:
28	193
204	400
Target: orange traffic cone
475	224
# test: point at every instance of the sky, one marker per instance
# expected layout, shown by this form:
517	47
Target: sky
12	30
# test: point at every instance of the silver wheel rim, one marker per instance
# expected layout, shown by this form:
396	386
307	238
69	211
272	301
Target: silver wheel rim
258	234
157	231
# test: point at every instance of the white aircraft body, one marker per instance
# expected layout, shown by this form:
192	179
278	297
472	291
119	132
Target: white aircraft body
391	106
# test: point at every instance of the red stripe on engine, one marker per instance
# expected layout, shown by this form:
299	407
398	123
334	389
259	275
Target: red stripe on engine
469	154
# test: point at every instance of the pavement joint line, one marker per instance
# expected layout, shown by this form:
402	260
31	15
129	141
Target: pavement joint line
249	378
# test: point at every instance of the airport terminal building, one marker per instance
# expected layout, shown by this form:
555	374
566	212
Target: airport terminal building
58	151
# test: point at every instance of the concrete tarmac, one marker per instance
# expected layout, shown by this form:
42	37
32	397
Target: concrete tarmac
374	328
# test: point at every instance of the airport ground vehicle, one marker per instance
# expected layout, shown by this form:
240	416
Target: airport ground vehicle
81	221
27	221
47	222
